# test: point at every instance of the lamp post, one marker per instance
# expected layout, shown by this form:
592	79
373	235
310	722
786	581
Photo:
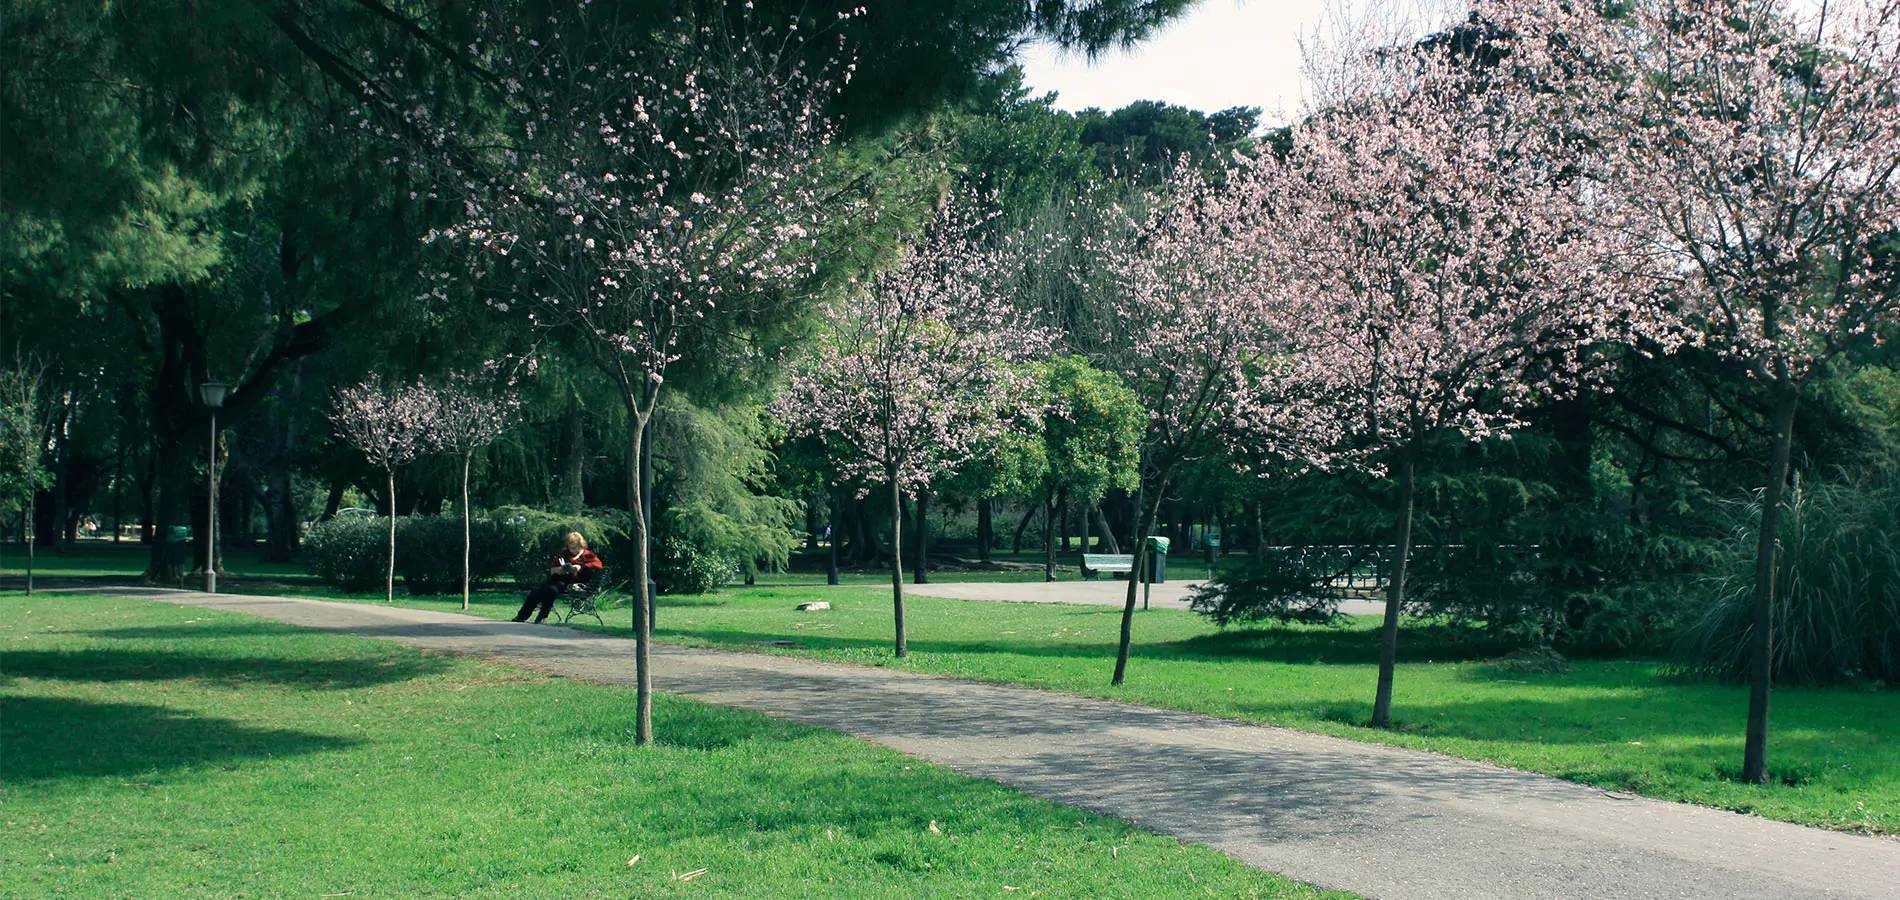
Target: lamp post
212	392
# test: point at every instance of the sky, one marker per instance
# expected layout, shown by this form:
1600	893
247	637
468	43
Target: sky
1222	53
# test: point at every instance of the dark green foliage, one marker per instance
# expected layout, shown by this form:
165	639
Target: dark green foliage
1837	588
541	535
1146	139
349	552
1282	585
429	552
683	568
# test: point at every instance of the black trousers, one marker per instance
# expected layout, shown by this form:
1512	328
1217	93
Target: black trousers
543	597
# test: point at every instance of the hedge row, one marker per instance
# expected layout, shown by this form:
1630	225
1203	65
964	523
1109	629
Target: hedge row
510	545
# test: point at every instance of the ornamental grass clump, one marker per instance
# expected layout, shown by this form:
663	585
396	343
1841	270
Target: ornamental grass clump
1838	577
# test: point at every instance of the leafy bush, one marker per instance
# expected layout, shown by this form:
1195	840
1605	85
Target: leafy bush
350	553
1837	586
540	535
1282	585
682	568
429	552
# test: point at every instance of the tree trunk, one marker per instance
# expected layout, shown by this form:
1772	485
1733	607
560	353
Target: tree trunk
1049	504
1084	523
985	528
897	561
1029	515
921	572
148	489
642	620
1062	520
837	534
569	495
466	457
1109	543
389	581
648	588
1144	521
1395	596
26	529
1761	642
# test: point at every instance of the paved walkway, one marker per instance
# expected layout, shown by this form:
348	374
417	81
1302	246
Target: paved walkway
1170	595
1379	821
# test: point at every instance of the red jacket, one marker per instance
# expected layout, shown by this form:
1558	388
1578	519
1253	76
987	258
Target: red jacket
589	563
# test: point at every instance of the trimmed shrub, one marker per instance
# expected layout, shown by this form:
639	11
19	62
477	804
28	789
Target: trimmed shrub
429	552
350	553
682	568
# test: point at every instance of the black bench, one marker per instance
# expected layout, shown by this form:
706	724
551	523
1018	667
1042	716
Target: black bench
583	598
1094	564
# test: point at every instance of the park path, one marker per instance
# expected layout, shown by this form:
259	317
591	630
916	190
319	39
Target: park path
1378	821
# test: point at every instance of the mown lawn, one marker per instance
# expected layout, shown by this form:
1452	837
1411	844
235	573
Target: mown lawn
148	750
1621	725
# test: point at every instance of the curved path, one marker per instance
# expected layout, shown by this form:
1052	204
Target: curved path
1378	821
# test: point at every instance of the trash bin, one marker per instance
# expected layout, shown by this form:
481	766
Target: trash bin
1157	560
178	546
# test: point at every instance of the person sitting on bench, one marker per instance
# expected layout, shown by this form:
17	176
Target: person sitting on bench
576	566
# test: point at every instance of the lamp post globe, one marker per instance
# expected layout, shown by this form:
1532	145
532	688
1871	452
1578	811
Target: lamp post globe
212	393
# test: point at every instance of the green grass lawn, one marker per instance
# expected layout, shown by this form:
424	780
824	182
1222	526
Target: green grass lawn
149	750
1623	725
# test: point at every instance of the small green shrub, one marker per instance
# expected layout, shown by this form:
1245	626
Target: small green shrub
681	568
429	552
350	553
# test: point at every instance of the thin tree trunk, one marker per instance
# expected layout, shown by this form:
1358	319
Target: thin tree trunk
1029	515
1109	543
389	580
647	587
837	534
921	573
1062	519
118	492
1088	513
985	528
1395	597
642	621
897	562
1144	521
569	493
1761	638
466	456
1049	537
27	528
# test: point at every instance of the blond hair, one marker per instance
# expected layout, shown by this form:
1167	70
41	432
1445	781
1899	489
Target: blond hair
575	541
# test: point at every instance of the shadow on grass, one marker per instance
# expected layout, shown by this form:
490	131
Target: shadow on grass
159	665
43	738
1417	643
193	632
1300	646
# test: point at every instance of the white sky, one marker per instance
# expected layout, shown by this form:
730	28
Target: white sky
1222	53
